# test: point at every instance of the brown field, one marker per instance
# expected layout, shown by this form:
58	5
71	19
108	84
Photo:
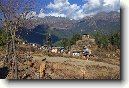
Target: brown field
58	67
71	68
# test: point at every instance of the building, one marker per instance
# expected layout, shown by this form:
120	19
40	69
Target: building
85	36
57	49
77	53
23	43
35	45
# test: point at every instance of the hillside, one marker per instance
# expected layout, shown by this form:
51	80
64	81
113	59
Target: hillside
60	27
36	35
102	22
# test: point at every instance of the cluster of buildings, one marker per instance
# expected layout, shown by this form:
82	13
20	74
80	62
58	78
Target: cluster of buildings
81	48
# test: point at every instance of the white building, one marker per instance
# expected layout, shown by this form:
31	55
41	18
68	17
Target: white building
76	53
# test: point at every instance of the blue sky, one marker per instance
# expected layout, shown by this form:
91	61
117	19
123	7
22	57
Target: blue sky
74	9
79	2
41	3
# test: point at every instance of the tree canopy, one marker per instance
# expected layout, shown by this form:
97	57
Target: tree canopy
104	40
65	42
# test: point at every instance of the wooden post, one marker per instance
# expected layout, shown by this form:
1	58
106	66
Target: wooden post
42	69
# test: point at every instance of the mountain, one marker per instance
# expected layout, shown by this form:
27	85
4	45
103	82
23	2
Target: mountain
57	22
36	35
60	27
103	22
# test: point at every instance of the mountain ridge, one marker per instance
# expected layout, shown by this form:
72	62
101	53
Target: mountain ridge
59	27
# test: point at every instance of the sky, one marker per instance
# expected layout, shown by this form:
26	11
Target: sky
74	9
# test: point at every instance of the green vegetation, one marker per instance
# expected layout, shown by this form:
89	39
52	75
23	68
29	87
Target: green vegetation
75	38
104	40
64	43
101	40
3	37
115	39
48	40
68	42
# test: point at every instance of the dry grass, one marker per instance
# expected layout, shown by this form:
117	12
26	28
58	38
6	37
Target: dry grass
67	71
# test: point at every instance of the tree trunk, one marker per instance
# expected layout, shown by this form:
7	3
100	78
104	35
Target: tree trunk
14	54
7	48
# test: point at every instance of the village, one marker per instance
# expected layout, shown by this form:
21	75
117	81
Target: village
84	48
82	51
82	61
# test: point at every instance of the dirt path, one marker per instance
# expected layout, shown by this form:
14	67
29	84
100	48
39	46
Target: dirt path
73	61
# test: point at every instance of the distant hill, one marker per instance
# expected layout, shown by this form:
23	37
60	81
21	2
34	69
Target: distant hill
60	27
36	35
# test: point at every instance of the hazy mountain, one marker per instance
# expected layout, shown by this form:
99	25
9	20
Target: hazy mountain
60	27
102	22
56	22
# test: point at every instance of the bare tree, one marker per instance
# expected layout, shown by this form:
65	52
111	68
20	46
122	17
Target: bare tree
15	14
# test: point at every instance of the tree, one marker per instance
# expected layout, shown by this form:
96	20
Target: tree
101	40
68	42
15	14
48	39
63	43
115	39
105	40
75	38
